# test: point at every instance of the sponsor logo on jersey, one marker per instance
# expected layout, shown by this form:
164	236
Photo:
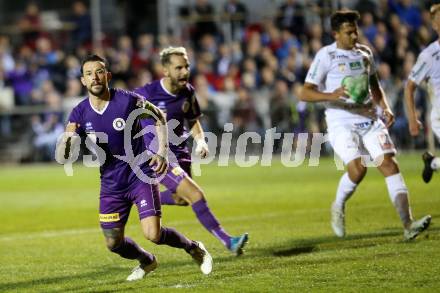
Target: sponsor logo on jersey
107	218
355	65
118	124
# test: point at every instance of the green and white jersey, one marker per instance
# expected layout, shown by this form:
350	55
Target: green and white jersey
427	67
333	67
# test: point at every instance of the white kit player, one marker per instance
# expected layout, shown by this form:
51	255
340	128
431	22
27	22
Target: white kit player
427	67
343	75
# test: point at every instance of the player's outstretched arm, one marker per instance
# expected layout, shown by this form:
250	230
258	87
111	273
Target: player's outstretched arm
310	93
198	135
380	98
63	150
159	160
414	124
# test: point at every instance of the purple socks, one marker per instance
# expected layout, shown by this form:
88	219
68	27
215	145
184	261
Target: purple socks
130	250
171	237
209	221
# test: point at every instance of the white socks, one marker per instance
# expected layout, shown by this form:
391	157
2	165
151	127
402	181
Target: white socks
399	197
435	164
345	189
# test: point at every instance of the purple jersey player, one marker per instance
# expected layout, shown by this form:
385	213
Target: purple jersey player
104	114
175	96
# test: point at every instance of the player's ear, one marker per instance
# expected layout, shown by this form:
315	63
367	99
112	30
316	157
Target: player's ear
109	76
83	81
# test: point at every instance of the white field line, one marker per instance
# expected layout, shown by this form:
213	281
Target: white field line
71	232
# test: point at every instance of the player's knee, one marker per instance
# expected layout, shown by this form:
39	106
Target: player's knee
197	195
389	166
357	172
179	201
153	235
113	238
113	243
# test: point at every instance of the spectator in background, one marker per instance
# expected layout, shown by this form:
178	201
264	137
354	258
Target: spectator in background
291	16
82	32
46	131
237	13
367	6
7	62
368	26
48	126
244	116
408	13
30	24
209	109
21	80
280	111
203	14
145	49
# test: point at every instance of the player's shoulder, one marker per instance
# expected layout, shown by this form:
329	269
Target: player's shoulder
328	51
364	49
82	105
148	88
431	51
123	93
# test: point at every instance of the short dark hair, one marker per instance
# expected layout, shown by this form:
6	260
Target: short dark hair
92	58
342	16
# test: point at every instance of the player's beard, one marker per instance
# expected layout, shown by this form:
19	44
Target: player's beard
97	92
179	83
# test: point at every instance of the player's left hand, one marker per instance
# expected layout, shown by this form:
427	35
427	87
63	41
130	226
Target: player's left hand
202	149
389	117
159	163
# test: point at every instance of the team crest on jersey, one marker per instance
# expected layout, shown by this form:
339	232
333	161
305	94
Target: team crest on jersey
185	106
118	124
341	67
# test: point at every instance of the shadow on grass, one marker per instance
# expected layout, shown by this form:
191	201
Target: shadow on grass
328	243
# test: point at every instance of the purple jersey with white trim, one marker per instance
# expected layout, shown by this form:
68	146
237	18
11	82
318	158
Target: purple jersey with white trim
116	175
181	107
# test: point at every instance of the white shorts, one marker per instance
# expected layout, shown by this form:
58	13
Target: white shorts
368	139
435	122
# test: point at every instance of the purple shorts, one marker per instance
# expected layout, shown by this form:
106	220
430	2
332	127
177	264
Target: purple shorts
175	174
114	209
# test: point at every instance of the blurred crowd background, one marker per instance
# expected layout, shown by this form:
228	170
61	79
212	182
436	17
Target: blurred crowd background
248	60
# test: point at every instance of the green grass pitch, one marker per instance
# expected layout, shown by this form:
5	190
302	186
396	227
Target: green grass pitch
50	239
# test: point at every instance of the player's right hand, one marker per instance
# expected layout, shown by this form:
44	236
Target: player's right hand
340	93
159	163
70	130
414	127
